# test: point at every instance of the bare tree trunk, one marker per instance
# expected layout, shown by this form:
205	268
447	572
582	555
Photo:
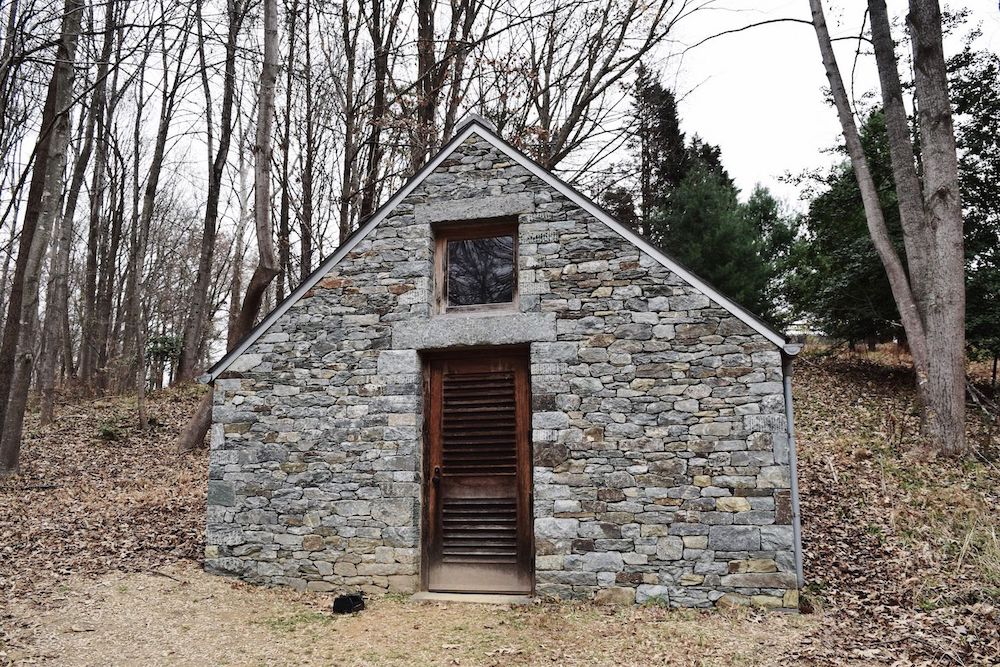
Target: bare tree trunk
106	277
45	208
33	211
95	235
911	210
306	221
168	105
236	286
944	314
267	264
381	72
194	328
426	100
284	249
931	298
56	297
132	314
349	40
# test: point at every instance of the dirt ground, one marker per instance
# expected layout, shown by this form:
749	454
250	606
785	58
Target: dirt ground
101	534
186	617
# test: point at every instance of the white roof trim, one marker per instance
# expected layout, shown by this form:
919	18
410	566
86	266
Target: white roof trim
477	126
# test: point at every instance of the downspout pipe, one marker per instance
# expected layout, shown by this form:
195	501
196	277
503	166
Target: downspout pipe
788	354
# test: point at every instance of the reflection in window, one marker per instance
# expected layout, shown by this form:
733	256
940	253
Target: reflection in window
481	271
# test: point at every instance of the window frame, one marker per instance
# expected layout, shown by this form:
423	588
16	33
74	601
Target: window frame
465	231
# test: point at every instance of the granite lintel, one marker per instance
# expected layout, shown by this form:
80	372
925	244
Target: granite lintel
456	210
465	330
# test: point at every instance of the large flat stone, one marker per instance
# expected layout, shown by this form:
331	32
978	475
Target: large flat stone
462	210
760	580
479	329
734	538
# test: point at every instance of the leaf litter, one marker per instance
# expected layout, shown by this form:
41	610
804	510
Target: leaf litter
901	555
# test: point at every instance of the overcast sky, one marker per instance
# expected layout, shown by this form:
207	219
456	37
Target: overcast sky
759	94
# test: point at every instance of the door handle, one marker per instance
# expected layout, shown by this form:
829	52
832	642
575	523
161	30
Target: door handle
436	478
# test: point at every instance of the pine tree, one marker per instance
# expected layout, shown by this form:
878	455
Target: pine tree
659	144
703	224
688	204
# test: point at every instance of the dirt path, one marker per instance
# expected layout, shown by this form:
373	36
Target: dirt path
191	618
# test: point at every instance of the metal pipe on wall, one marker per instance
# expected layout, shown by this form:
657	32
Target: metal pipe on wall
787	356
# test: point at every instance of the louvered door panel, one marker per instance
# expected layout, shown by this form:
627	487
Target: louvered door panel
479	507
480	428
482	530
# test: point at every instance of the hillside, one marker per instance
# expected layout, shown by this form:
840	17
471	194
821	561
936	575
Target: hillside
902	551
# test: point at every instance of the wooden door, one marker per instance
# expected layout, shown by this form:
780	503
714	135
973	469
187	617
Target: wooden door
477	523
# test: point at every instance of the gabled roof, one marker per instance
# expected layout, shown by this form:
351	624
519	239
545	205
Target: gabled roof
475	124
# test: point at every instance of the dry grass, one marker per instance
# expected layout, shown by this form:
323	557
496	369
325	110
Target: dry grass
901	554
193	618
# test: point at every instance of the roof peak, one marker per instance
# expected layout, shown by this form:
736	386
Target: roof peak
473	117
462	132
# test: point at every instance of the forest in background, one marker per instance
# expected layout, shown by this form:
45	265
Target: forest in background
131	140
136	127
162	108
134	171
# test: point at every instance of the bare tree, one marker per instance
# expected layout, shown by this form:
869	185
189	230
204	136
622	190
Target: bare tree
267	263
929	291
382	27
309	166
370	90
56	298
198	314
43	206
97	238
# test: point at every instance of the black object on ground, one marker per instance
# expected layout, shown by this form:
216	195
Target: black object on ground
348	604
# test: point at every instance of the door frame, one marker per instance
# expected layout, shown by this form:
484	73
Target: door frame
521	353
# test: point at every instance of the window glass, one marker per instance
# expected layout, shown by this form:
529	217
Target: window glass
480	271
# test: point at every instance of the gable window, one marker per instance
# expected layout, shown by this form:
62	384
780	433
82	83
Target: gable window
476	266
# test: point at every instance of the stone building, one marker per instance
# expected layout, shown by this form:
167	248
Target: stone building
493	386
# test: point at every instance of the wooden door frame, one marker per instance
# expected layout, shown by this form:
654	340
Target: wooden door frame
520	352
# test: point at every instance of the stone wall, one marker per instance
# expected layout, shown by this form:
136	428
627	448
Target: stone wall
660	447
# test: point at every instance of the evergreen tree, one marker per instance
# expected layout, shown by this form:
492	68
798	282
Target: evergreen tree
974	84
659	145
703	225
774	230
836	280
708	156
620	202
688	204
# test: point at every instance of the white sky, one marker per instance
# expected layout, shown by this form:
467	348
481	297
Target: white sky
758	94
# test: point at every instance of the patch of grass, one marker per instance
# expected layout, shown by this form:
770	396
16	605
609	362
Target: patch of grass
108	432
292	622
657	602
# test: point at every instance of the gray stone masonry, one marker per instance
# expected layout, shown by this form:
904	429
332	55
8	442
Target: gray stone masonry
661	463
